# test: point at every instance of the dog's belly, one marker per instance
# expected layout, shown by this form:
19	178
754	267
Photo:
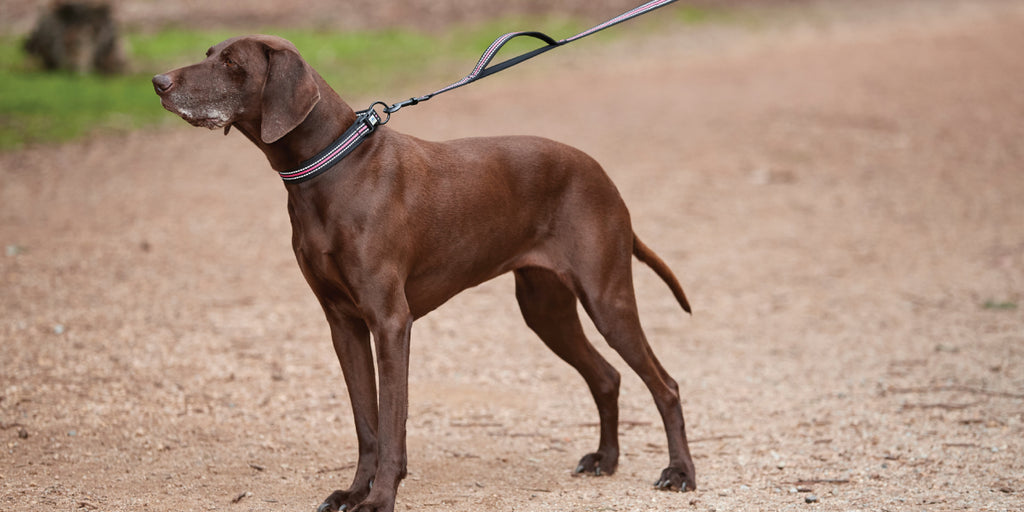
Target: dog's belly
427	291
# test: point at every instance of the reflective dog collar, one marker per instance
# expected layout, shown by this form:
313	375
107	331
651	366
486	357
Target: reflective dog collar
366	122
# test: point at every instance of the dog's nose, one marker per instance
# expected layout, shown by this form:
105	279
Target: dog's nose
162	83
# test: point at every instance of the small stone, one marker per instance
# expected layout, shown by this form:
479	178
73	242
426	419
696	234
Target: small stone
811	499
242	496
59	329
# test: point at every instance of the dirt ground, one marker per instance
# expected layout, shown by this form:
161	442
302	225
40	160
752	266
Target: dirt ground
840	190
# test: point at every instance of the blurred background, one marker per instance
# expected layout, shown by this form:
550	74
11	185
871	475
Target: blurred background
837	184
388	42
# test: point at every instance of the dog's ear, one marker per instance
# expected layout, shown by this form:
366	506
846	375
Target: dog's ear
289	93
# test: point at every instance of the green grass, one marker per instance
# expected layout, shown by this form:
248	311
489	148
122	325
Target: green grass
41	107
999	305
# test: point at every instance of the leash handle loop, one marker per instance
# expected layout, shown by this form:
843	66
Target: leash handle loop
481	70
484	69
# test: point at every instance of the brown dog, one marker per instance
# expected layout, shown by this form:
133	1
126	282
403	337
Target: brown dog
401	225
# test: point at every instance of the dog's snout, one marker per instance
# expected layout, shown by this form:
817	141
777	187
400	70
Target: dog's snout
162	83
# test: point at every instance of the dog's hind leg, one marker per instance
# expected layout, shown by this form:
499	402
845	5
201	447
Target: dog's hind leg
549	308
605	285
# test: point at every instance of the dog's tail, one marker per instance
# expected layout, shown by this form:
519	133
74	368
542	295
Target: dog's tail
646	255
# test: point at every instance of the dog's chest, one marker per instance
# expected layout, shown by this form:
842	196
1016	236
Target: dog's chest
320	249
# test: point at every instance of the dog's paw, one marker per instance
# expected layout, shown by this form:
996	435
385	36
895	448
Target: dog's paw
675	479
327	506
597	464
338	501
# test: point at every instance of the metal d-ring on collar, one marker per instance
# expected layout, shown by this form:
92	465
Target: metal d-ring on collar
368	120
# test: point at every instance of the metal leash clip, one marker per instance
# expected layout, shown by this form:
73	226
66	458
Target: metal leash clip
407	103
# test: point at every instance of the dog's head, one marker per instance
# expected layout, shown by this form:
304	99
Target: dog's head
260	80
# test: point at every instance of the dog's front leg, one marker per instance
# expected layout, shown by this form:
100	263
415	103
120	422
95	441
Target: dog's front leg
351	340
391	335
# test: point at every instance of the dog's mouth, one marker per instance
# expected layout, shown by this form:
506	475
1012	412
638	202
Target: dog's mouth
212	122
210	119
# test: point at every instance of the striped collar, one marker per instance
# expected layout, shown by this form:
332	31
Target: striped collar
366	122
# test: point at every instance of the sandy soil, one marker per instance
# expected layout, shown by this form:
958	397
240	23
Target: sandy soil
839	192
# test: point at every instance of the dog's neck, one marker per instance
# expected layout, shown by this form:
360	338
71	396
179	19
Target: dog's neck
326	122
